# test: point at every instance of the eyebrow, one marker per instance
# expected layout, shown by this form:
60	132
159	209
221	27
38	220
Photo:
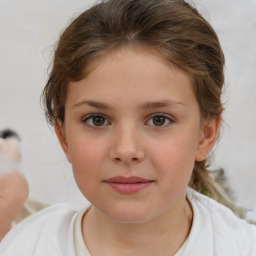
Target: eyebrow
93	103
161	104
144	106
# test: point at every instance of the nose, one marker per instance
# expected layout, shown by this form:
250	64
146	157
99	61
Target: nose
127	146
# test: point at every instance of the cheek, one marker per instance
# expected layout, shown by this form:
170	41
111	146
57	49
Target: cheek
174	159
86	164
85	157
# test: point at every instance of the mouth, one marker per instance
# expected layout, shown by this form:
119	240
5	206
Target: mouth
128	185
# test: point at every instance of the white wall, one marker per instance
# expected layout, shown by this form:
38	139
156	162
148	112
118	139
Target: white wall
28	30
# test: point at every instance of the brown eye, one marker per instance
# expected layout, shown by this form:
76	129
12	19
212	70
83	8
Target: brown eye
96	120
159	120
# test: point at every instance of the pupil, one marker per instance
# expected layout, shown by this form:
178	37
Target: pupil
159	120
97	120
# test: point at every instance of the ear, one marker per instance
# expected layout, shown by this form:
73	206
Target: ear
60	132
209	134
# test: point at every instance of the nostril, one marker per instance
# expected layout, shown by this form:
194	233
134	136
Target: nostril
134	159
118	159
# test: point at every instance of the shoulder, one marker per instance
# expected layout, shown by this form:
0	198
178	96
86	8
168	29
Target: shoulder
48	232
229	232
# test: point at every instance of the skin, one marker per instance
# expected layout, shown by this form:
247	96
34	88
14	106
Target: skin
13	185
13	195
128	88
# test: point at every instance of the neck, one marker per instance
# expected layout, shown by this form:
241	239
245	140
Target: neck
163	235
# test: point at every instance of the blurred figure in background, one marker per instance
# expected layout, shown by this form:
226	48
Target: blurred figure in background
13	185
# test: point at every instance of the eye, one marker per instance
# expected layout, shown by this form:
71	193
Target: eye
159	120
96	120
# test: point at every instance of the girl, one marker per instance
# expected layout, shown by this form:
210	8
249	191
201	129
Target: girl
135	98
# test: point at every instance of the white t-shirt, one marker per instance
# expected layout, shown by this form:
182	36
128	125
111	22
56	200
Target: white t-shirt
80	247
56	231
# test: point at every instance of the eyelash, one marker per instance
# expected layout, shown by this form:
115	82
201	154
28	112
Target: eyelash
89	118
161	115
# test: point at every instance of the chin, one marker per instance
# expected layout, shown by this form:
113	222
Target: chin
128	215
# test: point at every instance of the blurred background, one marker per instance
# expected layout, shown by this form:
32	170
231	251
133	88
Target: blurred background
28	32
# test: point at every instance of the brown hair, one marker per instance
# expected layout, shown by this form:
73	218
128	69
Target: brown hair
172	27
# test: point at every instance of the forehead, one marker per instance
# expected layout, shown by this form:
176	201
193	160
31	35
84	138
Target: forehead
135	71
131	53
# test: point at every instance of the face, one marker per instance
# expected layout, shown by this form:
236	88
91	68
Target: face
132	133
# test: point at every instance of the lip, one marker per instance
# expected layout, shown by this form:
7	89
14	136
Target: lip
128	185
